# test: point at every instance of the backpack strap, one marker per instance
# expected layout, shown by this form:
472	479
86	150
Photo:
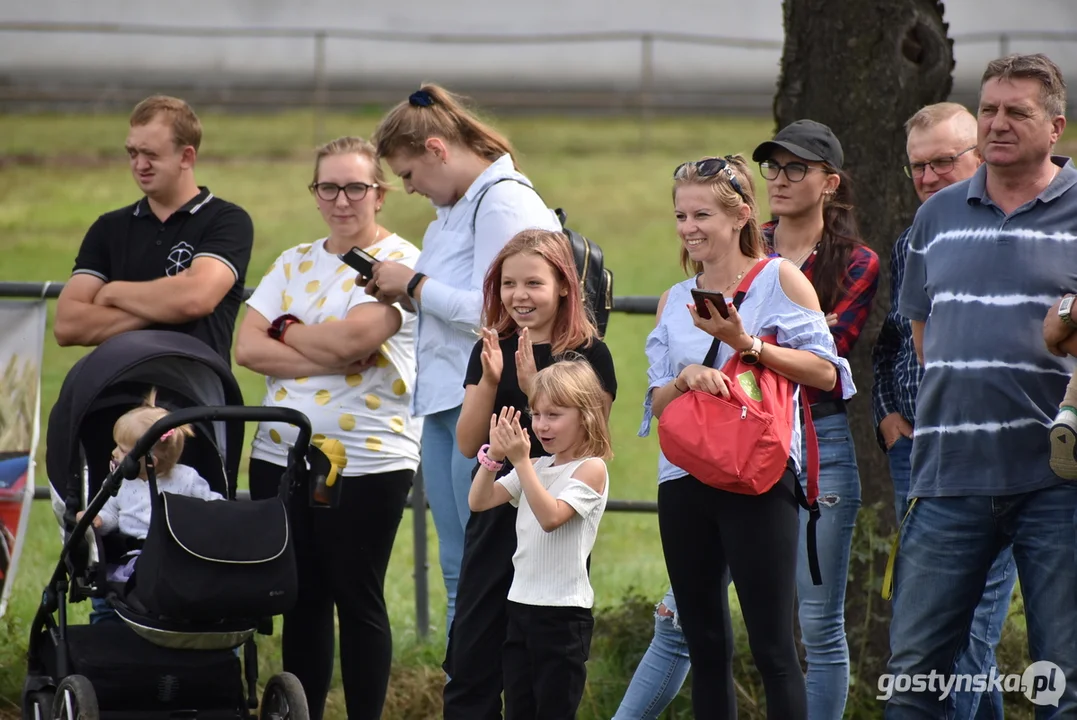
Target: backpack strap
811	501
478	201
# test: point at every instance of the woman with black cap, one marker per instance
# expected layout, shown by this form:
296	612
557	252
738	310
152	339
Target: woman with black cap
811	199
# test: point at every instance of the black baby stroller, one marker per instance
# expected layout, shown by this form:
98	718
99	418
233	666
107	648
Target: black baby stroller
210	574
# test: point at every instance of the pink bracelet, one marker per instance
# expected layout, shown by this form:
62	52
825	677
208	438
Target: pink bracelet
486	462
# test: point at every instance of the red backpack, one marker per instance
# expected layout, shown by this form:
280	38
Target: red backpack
745	448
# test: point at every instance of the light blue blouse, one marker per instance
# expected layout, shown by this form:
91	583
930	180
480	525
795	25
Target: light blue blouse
676	343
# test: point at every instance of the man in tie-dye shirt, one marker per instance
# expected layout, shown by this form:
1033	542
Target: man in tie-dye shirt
987	257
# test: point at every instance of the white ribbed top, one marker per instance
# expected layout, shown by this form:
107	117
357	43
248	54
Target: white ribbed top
551	568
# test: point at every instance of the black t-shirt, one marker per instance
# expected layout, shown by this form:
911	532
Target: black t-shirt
509	393
132	244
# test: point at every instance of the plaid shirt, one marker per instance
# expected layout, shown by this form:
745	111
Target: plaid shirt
852	308
896	368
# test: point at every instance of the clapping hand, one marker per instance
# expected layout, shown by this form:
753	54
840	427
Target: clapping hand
493	361
525	362
507	438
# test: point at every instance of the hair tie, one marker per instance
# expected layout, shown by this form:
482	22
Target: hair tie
421	98
167	435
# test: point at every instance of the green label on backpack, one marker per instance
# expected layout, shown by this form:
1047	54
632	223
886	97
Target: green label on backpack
750	386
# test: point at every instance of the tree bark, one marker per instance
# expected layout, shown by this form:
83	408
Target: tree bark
863	67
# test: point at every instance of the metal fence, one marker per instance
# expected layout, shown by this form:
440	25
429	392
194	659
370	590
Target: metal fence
417	499
649	94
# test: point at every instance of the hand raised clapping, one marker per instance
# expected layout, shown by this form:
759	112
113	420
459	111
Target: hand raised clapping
507	438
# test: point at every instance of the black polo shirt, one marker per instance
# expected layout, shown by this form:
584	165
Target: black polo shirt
132	244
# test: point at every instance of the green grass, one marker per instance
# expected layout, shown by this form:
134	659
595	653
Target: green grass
614	190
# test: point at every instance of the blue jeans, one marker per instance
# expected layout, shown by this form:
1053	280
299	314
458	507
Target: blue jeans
661	672
102	611
447	475
947	548
821	608
991	612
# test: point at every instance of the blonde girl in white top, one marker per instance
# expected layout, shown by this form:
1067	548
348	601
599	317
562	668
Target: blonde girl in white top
348	362
561	498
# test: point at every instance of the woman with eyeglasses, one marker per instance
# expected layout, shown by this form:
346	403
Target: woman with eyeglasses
348	362
710	536
816	229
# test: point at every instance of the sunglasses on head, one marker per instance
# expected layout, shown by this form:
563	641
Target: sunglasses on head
709	168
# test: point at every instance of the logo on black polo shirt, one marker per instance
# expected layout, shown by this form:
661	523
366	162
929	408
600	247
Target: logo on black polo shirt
179	258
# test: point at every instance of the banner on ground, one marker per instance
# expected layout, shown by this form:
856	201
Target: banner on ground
22	340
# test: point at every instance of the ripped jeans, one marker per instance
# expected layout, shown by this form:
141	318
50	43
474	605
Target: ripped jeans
821	609
662	671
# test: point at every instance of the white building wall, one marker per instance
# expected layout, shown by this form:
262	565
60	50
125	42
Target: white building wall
609	65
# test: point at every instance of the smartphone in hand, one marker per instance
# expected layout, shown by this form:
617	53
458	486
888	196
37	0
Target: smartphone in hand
362	262
716	298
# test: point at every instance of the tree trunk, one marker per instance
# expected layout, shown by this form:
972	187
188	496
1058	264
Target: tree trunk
863	67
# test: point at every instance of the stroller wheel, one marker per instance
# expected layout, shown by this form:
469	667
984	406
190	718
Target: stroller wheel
284	699
75	700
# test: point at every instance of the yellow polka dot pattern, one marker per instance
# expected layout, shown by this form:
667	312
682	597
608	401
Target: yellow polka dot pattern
312	287
373	402
354	379
348	285
396	255
280	395
374	251
274	436
381	361
301	380
399	387
287	271
332	318
322	397
342	268
306	265
271	269
321	303
285	301
317	439
396	424
303	250
373	444
346	422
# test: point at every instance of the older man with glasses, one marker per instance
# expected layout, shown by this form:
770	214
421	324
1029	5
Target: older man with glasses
941	148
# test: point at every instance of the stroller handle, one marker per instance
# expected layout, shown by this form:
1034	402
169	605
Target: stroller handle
186	416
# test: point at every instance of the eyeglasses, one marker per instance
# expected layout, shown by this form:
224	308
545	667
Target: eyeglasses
709	168
329	191
794	171
940	165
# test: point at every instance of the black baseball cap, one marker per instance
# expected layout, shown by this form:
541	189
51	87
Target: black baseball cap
807	140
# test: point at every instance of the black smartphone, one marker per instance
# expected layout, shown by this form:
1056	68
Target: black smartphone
362	262
717	299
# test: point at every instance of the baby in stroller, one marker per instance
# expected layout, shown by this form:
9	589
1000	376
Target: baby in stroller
129	511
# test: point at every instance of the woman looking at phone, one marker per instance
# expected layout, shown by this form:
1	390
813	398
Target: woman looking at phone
816	230
466	169
348	362
707	532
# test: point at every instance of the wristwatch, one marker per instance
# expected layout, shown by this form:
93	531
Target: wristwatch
1064	310
414	283
751	355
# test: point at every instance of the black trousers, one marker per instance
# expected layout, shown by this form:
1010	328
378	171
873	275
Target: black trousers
545	660
342	556
706	531
479	629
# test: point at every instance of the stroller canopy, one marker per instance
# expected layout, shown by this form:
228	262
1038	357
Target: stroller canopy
115	377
